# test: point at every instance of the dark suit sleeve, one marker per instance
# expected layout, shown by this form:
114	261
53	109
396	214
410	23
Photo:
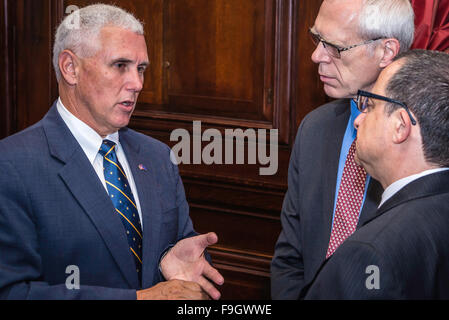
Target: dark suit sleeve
185	226
287	268
356	271
21	266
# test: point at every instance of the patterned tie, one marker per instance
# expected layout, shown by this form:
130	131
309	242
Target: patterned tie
123	200
349	201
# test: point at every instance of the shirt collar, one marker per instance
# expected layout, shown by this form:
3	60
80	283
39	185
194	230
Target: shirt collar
354	114
89	140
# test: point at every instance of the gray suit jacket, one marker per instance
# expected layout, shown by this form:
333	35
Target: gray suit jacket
309	202
403	253
54	212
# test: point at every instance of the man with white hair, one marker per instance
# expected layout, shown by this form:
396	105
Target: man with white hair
329	195
90	209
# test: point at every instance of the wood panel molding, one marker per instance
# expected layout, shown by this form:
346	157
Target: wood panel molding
246	276
283	68
8	115
276	103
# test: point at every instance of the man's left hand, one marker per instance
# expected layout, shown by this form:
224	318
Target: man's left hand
185	261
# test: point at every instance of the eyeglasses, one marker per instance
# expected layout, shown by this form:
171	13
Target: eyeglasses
363	102
334	50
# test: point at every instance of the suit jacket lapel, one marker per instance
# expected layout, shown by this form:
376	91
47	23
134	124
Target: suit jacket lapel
372	200
333	141
83	183
145	178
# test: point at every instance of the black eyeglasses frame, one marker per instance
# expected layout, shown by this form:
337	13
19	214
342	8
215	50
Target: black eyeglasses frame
362	108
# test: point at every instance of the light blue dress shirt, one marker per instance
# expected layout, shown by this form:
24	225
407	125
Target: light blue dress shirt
350	135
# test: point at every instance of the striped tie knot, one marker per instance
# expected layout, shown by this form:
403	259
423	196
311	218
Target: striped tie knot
106	147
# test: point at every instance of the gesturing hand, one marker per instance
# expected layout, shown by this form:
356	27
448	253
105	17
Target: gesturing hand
185	261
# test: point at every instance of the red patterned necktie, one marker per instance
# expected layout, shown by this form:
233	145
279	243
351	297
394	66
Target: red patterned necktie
349	201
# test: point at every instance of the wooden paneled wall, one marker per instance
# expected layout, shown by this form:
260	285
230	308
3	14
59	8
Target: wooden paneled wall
230	64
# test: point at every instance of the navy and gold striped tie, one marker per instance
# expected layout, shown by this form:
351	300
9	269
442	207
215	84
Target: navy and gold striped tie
120	193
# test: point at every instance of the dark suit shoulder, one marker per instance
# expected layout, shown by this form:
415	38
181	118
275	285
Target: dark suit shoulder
411	219
327	112
144	139
26	142
327	120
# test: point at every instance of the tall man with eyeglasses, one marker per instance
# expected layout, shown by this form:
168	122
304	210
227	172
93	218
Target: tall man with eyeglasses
403	142
329	195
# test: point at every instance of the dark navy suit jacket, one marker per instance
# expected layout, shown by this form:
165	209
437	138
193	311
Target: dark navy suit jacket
309	202
54	212
408	242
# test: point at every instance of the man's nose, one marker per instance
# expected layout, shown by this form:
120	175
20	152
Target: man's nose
135	81
358	120
320	54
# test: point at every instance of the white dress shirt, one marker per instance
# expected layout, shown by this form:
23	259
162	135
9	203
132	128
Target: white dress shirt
393	188
90	141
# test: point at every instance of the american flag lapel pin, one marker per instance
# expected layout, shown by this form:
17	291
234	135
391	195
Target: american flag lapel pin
142	167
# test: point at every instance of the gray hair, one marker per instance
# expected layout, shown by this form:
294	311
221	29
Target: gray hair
422	83
388	19
79	31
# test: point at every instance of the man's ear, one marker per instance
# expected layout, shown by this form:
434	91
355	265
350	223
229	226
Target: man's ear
68	66
390	49
402	125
